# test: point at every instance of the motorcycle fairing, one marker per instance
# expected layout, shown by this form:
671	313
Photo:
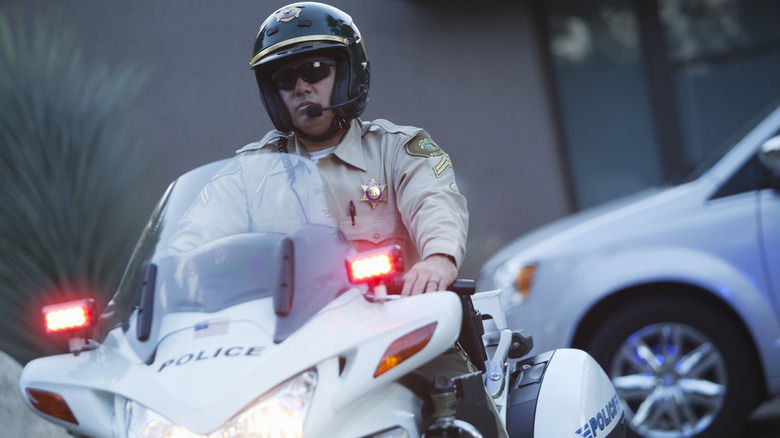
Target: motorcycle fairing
202	395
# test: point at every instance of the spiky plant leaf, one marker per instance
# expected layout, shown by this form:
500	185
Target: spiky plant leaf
71	206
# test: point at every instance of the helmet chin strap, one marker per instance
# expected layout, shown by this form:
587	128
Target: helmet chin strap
339	124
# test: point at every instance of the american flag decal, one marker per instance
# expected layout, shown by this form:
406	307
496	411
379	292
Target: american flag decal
210	328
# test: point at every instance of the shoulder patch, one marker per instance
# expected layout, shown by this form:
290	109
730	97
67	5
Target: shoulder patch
231	168
205	195
422	146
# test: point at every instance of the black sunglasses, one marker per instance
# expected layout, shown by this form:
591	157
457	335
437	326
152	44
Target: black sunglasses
311	72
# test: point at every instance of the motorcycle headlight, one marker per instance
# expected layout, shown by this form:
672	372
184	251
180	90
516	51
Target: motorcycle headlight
280	413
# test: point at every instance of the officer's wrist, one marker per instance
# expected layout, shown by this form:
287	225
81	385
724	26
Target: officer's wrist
447	256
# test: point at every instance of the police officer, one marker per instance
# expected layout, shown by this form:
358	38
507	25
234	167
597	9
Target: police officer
393	184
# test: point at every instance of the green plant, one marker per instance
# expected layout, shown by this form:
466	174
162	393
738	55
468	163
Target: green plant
70	203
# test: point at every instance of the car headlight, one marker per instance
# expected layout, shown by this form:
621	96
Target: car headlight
515	278
279	413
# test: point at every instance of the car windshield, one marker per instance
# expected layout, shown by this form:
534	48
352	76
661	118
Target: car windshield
707	163
231	232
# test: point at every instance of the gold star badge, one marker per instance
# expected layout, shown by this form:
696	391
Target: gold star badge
373	192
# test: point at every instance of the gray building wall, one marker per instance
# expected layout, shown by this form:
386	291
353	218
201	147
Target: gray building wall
467	72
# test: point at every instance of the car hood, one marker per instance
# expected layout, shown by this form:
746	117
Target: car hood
617	220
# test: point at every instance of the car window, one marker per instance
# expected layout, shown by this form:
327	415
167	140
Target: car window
727	146
747	179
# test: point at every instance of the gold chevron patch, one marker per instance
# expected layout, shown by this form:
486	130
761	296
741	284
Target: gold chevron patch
442	167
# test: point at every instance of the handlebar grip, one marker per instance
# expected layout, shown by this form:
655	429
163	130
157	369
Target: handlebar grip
461	286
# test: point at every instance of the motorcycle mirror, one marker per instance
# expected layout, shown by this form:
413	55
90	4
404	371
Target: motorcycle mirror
144	327
285	281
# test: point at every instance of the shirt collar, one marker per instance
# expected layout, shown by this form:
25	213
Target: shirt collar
270	140
349	149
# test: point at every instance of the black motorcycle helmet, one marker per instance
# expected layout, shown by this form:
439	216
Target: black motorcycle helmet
309	29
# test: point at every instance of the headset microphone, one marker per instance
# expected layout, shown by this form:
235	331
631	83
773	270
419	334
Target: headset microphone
316	109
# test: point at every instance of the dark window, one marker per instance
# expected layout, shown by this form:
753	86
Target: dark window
746	179
646	89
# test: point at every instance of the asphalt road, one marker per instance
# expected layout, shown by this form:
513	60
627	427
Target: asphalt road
764	422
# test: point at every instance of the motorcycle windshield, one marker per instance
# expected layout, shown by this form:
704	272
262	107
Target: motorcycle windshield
256	226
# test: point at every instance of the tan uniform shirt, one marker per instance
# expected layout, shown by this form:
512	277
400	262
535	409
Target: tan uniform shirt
401	185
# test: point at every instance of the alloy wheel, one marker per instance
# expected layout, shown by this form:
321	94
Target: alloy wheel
671	378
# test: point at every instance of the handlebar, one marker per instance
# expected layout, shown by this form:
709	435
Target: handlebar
461	286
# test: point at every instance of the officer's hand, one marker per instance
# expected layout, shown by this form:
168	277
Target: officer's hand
434	273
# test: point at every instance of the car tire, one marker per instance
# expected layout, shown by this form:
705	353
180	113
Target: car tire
681	366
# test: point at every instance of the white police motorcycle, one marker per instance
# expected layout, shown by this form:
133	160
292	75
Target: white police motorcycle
276	333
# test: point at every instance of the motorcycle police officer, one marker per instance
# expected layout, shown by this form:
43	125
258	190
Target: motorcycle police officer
393	184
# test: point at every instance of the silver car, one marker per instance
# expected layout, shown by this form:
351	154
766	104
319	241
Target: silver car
675	291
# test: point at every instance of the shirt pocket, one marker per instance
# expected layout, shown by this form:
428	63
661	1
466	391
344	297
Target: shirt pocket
374	229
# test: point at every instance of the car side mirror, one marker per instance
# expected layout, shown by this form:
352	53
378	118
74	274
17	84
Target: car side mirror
769	155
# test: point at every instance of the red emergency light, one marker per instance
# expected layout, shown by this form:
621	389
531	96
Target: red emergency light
69	317
376	265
